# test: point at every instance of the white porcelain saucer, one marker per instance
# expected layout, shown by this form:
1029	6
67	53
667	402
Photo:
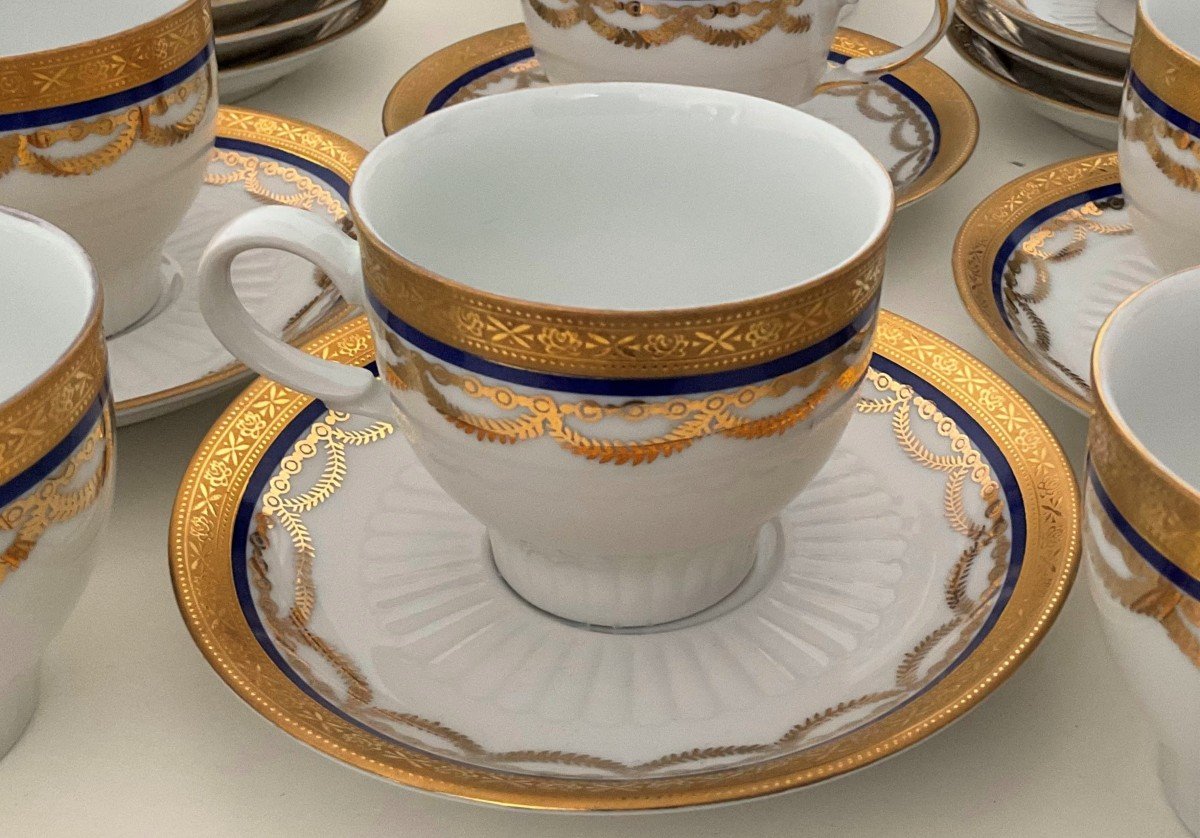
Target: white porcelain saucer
343	595
919	123
1042	262
169	359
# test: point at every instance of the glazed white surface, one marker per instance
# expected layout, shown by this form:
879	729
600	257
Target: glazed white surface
1060	750
49	24
1177	20
624	186
47	282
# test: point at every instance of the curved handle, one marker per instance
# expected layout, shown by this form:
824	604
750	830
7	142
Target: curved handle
867	68
341	387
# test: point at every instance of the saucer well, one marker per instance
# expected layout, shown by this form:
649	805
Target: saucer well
170	359
919	122
337	589
1043	261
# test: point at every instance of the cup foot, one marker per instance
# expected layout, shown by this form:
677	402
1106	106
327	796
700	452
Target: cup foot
1180	777
169	284
625	592
18	700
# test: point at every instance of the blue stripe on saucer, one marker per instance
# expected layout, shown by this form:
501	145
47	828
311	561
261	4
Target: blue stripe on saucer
271	153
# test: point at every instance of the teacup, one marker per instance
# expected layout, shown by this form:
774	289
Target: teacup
56	448
1142	516
106	121
623	325
776	49
1160	132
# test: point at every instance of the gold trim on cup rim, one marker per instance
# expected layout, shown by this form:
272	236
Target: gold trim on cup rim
214	486
43	412
984	233
104	66
955	112
1159	504
1164	67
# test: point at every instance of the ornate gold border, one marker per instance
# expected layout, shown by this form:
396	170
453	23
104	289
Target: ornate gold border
81	72
983	233
1165	68
39	416
203	580
305	140
1160	505
955	112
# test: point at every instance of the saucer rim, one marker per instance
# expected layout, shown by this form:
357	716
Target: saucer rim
1049	27
958	119
983	233
203	583
277	132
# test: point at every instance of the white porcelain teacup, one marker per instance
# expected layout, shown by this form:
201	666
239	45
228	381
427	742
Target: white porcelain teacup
623	325
56	448
106	121
776	49
1160	132
1142	516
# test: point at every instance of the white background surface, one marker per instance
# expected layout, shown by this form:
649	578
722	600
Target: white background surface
136	735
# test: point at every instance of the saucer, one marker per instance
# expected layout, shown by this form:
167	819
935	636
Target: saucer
919	123
1075	26
1043	261
169	359
337	589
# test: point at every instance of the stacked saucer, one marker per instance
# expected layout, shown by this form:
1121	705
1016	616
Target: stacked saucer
259	42
1063	59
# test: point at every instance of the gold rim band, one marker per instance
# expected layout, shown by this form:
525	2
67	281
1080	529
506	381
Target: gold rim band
105	66
1172	74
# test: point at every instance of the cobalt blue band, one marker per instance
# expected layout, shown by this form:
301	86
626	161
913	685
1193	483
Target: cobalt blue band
628	387
1170	571
57	455
114	101
1028	226
1177	118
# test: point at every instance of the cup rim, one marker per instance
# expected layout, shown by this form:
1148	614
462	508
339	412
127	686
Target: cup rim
864	253
1105	403
1144	19
59	52
91	320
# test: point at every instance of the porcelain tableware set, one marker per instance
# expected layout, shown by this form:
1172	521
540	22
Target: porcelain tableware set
1063	59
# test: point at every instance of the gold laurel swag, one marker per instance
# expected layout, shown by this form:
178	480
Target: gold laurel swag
1142	125
668	23
24	151
57	499
1137	586
1022	297
327	440
528	417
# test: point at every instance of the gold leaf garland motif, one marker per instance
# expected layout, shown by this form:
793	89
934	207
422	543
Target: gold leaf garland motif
94	69
692	20
528	417
1137	586
23	151
56	499
291	627
1141	124
304	192
1081	222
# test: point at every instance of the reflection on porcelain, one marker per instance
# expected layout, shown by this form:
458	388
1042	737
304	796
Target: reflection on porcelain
775	49
56	448
363	617
920	124
170	359
1088	117
285	32
106	129
1074	28
611	394
1043	261
1143	515
1160	135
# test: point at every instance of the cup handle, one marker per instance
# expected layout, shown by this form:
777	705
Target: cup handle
343	388
866	68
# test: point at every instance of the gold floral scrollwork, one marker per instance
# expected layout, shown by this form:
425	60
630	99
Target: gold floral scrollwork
1139	587
1143	125
693	20
527	417
882	104
57	499
255	174
123	130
